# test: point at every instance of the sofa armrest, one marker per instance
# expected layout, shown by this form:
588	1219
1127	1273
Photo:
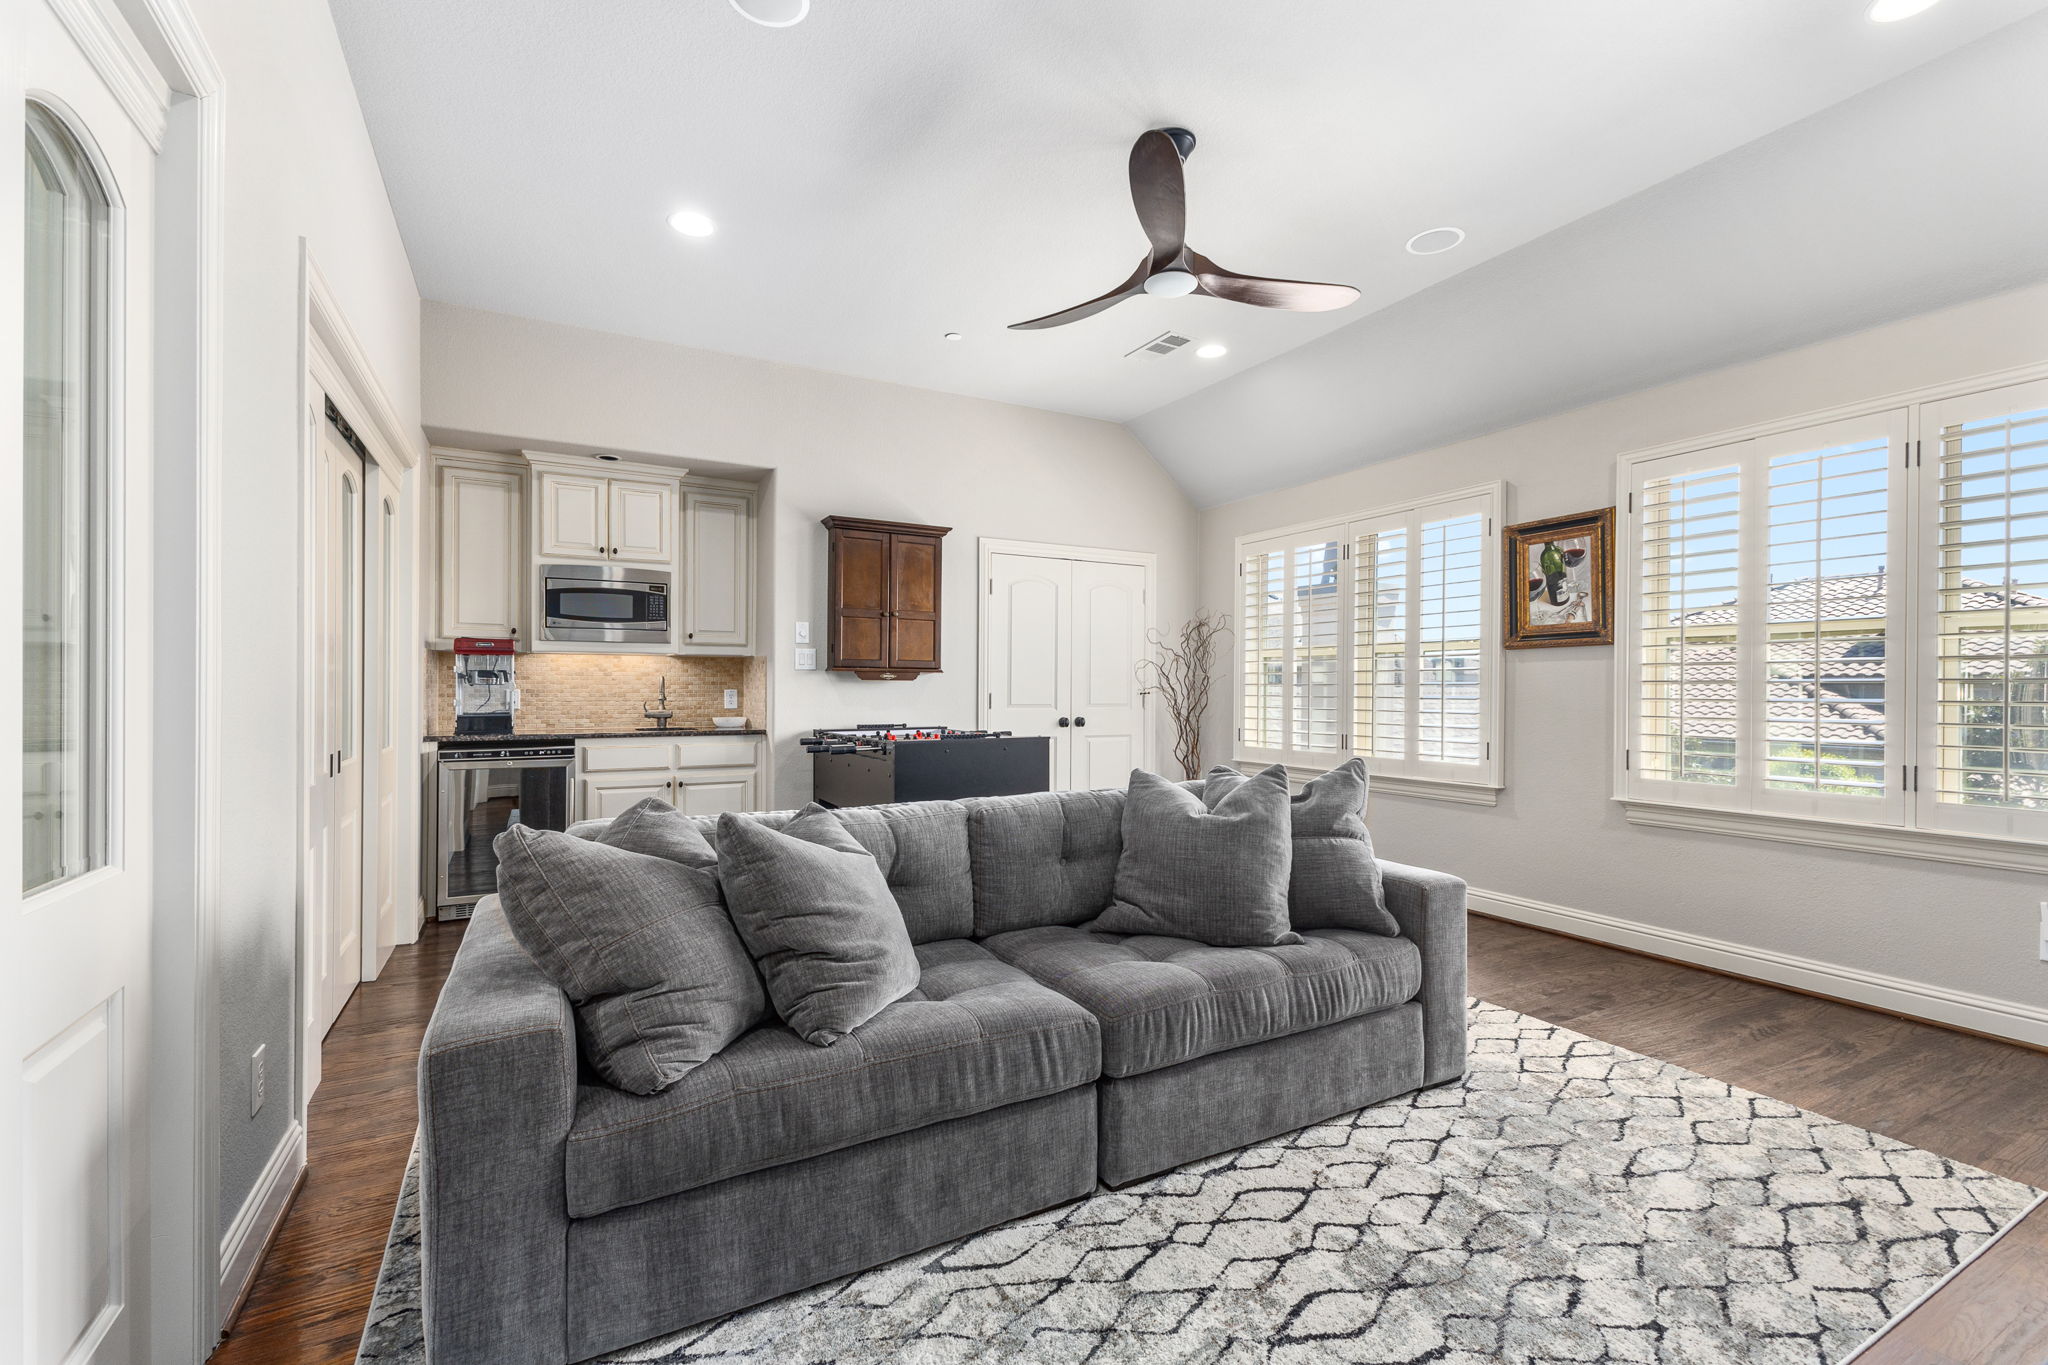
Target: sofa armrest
1430	908
497	1090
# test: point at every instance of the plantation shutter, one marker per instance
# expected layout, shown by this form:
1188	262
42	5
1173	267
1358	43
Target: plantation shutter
1984	748
1768	619
1377	637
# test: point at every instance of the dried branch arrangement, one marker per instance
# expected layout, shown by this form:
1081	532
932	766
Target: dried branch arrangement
1181	672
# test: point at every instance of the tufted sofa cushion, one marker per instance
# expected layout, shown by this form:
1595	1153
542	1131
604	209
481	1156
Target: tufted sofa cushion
922	847
976	1034
1165	1000
1046	858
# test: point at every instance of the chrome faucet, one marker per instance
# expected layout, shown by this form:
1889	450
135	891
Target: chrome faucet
662	716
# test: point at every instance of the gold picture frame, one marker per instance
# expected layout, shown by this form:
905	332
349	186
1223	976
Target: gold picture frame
1558	579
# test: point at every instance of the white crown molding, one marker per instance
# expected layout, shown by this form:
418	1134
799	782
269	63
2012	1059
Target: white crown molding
256	1222
1937	846
115	53
2022	1023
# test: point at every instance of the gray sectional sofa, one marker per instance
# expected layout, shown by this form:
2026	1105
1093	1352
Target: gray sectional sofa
562	1217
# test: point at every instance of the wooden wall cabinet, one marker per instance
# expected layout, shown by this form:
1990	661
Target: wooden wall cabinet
884	594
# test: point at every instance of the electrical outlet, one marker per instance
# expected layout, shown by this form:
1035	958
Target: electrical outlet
807	658
732	699
256	1081
803	632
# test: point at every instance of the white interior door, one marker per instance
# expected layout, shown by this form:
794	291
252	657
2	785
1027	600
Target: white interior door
1062	638
1029	643
1110	722
75	518
335	946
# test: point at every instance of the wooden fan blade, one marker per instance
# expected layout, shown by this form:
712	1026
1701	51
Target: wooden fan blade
1159	194
1301	296
1132	286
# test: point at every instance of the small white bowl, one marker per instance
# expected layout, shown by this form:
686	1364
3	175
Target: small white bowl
730	722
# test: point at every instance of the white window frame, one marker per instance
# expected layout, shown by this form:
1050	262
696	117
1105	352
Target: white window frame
1909	821
1473	784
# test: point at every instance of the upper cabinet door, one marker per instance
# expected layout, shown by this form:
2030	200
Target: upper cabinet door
718	543
643	523
913	637
481	565
572	517
860	597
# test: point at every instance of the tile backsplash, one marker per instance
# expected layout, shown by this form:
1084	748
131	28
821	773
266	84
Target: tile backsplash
560	692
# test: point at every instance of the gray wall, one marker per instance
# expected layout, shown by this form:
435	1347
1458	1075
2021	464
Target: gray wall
1556	835
837	446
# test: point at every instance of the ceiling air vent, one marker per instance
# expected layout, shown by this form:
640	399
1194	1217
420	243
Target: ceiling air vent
1166	343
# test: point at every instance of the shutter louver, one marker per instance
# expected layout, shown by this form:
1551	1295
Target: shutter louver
1316	665
1827	609
1379	705
1452	609
1991	667
1688	717
1264	607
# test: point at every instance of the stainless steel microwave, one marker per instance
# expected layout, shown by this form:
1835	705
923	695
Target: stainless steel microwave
605	604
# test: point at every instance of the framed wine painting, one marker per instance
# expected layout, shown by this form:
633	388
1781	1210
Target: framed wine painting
1560	581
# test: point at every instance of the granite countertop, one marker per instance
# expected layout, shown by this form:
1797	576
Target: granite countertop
571	736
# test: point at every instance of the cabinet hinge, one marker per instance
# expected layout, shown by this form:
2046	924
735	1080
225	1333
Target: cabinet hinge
1916	777
991	587
1916	455
1489	750
1626	756
1631	502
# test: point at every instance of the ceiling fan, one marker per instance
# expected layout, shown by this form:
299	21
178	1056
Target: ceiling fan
1172	268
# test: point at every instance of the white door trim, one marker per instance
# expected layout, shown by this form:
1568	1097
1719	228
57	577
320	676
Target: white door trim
334	362
990	546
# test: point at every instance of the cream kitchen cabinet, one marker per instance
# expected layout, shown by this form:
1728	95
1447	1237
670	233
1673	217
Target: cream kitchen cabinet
584	517
698	775
479	525
718	572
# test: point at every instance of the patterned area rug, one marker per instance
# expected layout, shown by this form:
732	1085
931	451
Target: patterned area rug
1569	1201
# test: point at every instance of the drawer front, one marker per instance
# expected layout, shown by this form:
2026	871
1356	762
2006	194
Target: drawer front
715	752
625	755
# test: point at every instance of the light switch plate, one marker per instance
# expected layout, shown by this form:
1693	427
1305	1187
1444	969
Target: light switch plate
807	658
732	699
803	632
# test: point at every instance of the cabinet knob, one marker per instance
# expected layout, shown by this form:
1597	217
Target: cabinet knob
1064	722
1080	721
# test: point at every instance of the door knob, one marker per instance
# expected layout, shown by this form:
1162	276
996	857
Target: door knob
1064	722
1080	720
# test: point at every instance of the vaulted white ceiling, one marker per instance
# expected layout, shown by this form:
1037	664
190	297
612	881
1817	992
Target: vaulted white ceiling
891	170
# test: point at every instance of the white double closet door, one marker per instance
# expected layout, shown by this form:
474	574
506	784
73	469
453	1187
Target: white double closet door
1064	638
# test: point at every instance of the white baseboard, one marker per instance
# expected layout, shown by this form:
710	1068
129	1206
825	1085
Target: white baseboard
2022	1023
248	1237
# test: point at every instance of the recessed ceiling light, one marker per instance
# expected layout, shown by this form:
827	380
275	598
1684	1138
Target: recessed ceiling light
954	336
774	13
1891	11
691	223
1212	350
1435	241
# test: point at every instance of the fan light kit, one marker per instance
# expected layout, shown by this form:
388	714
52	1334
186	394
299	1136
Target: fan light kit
774	13
1435	242
1212	351
1891	11
1173	269
691	223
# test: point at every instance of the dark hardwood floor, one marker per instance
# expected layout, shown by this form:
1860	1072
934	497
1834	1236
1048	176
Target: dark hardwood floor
1968	1098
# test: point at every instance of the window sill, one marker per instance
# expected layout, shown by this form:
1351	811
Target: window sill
1426	789
1939	846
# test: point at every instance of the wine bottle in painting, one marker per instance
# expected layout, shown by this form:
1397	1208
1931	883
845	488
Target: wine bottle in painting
1552	563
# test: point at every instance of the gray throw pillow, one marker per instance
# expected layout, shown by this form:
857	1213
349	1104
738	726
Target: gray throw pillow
640	945
816	912
659	830
1335	882
1214	873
